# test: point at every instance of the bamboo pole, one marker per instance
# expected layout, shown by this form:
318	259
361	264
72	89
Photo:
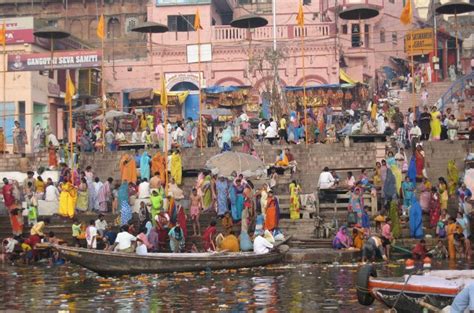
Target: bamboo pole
71	145
102	94
413	94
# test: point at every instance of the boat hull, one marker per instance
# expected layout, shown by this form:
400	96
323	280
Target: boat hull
409	302
115	263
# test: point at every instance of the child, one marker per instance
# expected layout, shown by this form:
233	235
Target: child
196	207
91	235
32	204
227	223
76	232
440	229
259	221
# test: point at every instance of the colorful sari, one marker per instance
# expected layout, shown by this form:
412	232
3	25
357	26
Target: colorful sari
435	125
435	209
408	189
125	209
444	197
294	201
272	214
222	187
156	205
128	169
416	220
394	217
453	177
420	163
342	240
145	166
425	196
158	164
67	200
176	168
206	193
451	229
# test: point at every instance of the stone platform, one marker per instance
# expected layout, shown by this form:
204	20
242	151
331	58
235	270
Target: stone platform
321	255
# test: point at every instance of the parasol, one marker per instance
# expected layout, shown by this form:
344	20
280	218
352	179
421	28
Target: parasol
110	115
455	7
359	12
224	164
249	21
51	33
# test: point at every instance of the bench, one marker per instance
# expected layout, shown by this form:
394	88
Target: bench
368	138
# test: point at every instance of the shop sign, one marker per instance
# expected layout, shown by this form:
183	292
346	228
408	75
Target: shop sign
60	60
19	30
175	78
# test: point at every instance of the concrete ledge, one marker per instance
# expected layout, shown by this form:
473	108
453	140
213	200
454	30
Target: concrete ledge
322	255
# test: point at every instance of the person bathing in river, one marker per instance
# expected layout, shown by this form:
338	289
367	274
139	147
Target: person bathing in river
371	248
342	239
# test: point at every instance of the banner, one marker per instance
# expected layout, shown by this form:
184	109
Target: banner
19	30
422	41
61	60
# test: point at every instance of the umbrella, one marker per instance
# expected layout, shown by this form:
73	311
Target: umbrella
225	163
359	12
51	33
249	21
110	115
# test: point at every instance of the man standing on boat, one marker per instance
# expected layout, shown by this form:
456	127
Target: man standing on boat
464	300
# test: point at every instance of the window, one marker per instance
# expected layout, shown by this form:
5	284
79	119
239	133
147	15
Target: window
355	30
391	1
181	23
306	2
394	38
130	23
344	29
382	35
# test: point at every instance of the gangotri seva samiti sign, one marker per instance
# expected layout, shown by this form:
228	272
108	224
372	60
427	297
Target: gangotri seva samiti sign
61	60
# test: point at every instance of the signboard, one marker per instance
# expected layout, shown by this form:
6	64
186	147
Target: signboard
422	40
19	30
206	53
189	77
61	60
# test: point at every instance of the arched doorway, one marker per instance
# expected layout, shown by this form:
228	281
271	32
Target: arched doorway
191	105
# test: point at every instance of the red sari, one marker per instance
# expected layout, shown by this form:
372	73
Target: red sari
435	209
207	238
420	163
52	158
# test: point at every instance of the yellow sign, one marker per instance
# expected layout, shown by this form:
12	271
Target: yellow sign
422	40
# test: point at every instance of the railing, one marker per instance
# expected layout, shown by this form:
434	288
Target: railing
456	89
227	33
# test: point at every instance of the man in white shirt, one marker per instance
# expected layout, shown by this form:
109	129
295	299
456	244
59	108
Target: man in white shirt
381	126
134	137
125	241
101	225
52	138
326	180
144	189
120	136
51	193
415	133
261	245
91	235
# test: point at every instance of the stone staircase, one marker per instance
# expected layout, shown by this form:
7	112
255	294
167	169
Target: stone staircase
435	91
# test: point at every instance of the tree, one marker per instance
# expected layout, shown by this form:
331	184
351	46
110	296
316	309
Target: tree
265	64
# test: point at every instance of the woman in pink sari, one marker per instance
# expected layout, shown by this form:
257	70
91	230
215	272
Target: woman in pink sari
425	195
435	207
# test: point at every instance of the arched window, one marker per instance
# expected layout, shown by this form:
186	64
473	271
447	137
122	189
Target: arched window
113	28
382	35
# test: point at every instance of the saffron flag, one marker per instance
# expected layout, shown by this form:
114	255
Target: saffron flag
407	14
3	33
163	92
70	90
300	16
197	21
373	111
101	28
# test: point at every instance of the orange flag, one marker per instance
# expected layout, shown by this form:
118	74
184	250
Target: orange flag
197	21
70	90
407	14
300	16
3	33
101	28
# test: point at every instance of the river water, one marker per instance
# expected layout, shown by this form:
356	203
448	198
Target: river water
280	288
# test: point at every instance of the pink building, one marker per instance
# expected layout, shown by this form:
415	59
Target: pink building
226	50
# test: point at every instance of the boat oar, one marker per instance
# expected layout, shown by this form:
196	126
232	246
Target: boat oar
401	249
429	306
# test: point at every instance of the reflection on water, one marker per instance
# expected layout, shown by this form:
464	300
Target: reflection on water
302	288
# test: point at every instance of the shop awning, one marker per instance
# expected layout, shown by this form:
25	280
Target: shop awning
139	93
221	89
299	88
182	95
344	77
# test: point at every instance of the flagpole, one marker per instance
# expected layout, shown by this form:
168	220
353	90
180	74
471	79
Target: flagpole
4	43
102	87
413	95
165	117
199	84
71	146
304	76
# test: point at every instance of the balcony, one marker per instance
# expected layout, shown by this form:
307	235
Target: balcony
180	2
226	34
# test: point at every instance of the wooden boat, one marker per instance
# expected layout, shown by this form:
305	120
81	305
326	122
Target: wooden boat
412	292
116	263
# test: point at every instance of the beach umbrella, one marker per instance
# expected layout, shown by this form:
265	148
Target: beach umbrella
224	164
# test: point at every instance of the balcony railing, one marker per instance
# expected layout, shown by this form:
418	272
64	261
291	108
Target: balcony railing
229	34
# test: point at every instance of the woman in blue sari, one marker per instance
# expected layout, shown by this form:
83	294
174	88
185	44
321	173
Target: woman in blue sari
145	166
125	209
416	221
407	189
239	200
222	187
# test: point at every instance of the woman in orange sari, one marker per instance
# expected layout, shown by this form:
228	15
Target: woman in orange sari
158	165
272	212
128	168
451	230
52	158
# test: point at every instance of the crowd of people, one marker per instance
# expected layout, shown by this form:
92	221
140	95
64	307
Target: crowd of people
406	195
